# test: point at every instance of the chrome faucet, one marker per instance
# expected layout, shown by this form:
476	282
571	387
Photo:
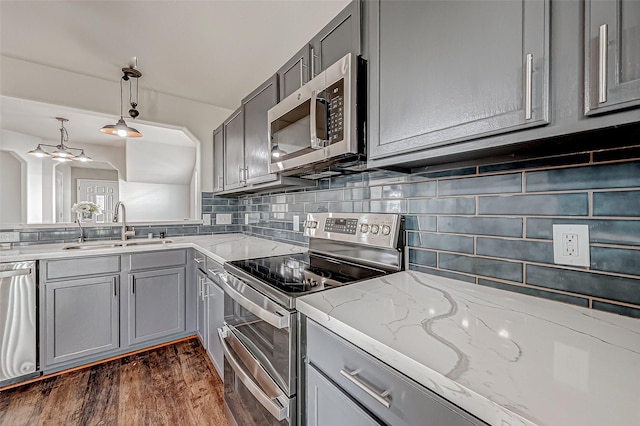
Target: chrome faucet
124	233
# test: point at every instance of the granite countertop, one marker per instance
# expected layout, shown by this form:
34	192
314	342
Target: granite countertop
220	247
507	358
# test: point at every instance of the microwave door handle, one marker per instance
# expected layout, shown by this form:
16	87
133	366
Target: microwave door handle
312	116
316	142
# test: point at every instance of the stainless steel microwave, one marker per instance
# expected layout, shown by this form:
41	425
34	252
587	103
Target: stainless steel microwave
322	123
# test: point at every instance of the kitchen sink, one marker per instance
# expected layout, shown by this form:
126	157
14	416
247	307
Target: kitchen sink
110	244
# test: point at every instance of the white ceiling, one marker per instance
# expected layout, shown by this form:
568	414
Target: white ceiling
213	51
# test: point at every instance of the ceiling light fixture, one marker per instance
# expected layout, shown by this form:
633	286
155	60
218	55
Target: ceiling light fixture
120	128
276	152
62	152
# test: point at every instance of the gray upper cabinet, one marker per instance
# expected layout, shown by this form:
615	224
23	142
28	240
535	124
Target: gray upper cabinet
295	73
81	318
339	37
257	148
449	71
234	170
156	304
612	58
218	160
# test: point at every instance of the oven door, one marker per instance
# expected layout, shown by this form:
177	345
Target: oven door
259	343
251	396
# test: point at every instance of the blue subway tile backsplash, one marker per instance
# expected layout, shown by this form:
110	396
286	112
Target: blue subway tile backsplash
489	224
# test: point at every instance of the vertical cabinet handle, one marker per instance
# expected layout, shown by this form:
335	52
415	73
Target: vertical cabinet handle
115	287
528	87
219	182
133	285
313	62
602	64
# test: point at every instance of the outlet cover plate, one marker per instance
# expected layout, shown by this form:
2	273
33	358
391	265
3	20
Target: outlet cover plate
206	219
296	223
223	219
577	237
9	237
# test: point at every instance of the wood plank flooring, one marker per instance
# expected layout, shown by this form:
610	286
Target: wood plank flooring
170	385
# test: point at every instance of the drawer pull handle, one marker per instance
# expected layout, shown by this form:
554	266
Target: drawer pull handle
381	397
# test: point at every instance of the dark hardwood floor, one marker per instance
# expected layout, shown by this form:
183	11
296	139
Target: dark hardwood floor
171	385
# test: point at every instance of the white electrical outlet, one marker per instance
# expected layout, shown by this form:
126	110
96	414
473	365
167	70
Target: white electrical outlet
246	218
206	219
296	223
9	237
571	245
223	219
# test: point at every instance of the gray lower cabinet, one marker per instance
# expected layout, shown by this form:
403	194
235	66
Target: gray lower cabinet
328	405
295	73
612	58
215	320
257	147
218	160
338	373
82	318
156	304
201	307
337	38
448	71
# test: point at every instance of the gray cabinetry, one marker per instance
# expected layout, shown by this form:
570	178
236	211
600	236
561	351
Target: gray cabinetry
337	38
449	71
156	304
201	307
82	318
612	58
218	160
234	170
295	73
382	392
257	149
328	405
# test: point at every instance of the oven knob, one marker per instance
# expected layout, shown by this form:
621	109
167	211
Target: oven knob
364	228
386	229
375	229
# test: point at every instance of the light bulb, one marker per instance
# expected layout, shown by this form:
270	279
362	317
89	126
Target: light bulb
122	133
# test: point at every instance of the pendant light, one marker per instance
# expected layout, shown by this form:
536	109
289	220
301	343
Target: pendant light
62	152
120	128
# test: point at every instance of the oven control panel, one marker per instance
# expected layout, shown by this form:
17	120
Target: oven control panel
378	229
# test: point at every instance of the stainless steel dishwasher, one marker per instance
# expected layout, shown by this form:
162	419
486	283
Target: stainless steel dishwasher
17	321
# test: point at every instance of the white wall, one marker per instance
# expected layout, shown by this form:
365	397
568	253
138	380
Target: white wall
27	80
152	201
10	188
153	162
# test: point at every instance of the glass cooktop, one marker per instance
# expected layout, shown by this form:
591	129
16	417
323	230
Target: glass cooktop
305	272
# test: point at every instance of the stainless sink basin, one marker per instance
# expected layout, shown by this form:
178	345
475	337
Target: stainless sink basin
110	244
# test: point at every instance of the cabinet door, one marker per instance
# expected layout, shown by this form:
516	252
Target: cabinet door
215	303
156	304
202	309
256	132
339	37
328	405
295	72
612	58
447	71
234	173
218	160
81	318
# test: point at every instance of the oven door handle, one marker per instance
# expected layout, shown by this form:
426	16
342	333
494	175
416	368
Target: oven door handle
277	404
277	319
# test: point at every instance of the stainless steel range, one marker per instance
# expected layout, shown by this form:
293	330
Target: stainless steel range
260	338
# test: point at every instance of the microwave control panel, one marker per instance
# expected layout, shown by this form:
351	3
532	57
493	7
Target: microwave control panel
335	97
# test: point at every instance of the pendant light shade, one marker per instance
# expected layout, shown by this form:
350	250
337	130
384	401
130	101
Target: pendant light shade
120	128
39	152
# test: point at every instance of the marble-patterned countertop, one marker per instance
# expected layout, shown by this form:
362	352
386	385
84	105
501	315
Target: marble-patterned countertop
507	358
220	247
